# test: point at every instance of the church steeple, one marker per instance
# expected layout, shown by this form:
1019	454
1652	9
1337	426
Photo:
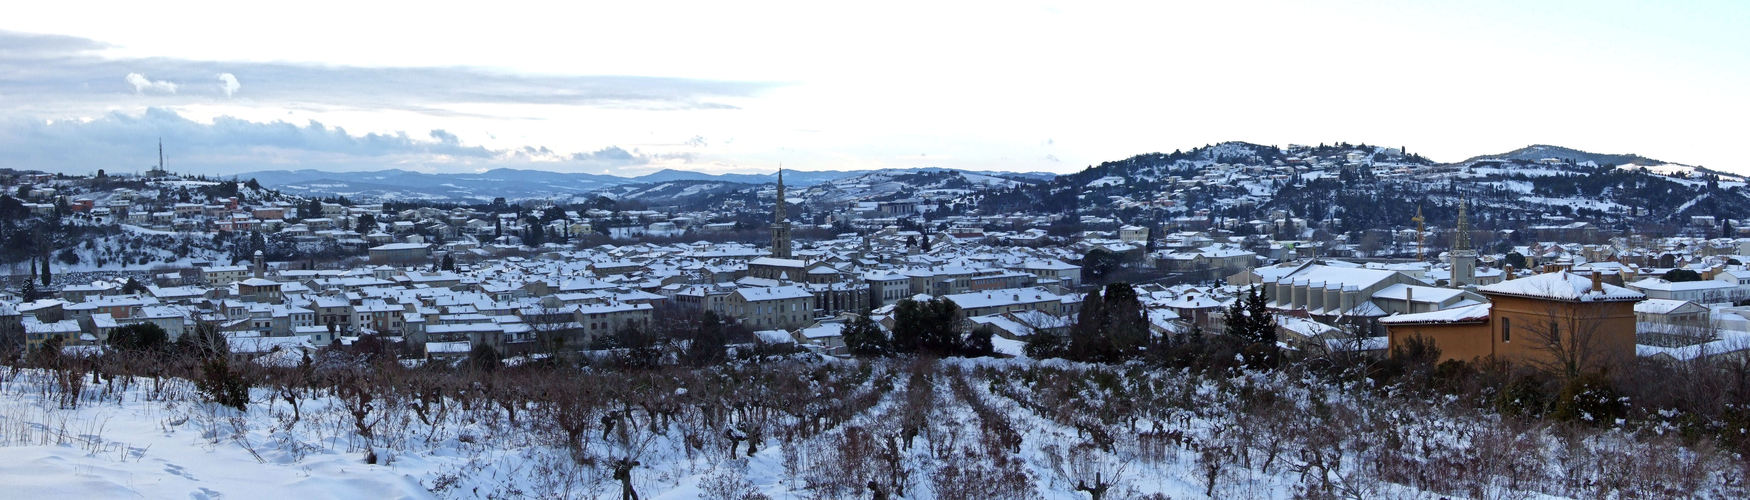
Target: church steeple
780	223
1461	241
1464	259
778	214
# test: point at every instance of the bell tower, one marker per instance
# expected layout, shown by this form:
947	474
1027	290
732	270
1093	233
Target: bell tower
780	223
1464	259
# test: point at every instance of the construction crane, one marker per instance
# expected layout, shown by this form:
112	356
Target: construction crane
1421	235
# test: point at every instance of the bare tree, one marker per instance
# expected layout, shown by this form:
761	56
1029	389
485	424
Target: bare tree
1087	465
628	442
1569	340
572	408
1370	244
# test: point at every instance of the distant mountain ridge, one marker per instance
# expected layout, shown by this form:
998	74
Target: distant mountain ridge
1537	152
528	183
1368	186
1364	185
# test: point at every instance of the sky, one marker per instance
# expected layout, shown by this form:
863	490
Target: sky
632	87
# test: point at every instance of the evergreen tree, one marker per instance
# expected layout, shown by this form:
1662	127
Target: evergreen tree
1111	326
1250	322
1042	345
908	326
449	263
139	337
534	235
365	224
1263	322
978	342
1125	321
864	338
1086	341
709	345
1100	264
1237	325
927	327
484	358
29	294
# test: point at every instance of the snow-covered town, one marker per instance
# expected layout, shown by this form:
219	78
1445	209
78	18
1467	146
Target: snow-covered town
187	253
445	293
958	250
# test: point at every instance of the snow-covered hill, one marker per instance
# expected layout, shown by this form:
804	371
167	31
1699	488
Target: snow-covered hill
516	184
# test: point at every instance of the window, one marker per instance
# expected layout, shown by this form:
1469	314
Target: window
1506	330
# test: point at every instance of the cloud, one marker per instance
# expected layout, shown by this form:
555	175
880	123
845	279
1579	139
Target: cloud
445	137
65	114
122	142
610	154
53	74
32	45
117	140
228	84
142	84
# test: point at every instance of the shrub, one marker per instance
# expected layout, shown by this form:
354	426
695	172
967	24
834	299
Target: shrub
484	358
220	384
1523	397
1591	399
139	337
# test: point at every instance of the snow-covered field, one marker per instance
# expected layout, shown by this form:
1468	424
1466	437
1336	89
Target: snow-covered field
134	444
813	429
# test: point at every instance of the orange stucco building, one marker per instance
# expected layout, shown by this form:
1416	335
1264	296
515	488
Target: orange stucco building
1550	320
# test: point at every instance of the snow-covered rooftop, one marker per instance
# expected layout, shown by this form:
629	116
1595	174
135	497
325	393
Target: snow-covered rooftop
1562	285
1466	314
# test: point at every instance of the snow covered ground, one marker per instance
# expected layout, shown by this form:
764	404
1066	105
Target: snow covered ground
131	445
817	429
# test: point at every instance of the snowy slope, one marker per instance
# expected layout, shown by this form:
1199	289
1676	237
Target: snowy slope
962	429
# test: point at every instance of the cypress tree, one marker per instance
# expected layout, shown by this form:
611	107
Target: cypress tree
1086	343
1125	322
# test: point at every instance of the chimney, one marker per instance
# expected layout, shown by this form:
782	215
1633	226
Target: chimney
260	265
1597	281
1507	273
1409	303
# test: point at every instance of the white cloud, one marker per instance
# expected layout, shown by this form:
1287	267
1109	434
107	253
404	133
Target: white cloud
228	83
143	85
